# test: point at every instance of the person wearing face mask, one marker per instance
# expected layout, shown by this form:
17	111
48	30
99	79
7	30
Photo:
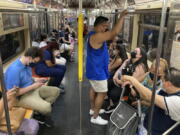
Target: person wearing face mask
32	93
97	61
135	66
149	78
119	57
167	101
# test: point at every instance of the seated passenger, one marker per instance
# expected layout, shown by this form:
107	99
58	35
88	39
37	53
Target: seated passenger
167	101
62	38
59	60
48	68
149	78
119	57
43	42
32	93
35	43
22	127
136	66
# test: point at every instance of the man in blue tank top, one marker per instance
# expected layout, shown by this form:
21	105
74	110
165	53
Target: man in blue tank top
167	102
97	63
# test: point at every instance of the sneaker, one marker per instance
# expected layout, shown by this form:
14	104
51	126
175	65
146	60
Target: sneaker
49	122
62	91
91	112
44	120
110	109
99	121
61	86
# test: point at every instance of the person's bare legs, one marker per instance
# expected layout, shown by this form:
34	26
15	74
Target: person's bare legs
98	103
92	96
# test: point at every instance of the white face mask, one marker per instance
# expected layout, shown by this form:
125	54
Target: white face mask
114	52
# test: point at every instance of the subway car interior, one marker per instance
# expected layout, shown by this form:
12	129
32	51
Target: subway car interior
90	67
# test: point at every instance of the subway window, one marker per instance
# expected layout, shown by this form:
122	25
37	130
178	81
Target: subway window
11	45
149	31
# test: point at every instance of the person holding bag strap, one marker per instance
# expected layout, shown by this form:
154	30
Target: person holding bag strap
167	101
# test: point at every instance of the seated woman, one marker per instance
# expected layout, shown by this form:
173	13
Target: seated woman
149	78
48	67
119	57
167	102
135	66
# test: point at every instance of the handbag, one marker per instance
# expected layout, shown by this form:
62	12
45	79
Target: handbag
16	117
125	119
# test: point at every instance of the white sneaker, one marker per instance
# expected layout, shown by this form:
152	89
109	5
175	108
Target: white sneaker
91	112
99	121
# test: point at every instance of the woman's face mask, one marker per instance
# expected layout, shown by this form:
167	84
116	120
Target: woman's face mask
152	76
115	52
133	54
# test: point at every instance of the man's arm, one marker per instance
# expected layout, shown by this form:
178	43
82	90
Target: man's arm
96	40
34	86
144	92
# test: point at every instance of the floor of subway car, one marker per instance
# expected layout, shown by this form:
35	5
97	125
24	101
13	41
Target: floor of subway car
65	111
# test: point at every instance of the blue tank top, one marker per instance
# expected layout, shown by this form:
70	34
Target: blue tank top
161	121
97	61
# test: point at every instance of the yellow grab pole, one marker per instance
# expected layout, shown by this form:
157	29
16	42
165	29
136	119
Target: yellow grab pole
80	46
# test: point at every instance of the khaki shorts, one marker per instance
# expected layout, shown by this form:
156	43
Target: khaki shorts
99	86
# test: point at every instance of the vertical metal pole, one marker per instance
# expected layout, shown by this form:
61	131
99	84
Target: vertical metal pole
158	55
80	59
8	123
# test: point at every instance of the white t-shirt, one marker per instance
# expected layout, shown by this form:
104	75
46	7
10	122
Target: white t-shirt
173	107
34	43
42	44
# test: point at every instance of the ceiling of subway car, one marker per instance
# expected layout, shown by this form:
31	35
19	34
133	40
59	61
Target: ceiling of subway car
95	3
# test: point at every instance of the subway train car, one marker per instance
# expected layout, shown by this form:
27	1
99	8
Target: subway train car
89	67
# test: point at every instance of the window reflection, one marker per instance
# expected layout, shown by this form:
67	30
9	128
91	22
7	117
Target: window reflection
11	45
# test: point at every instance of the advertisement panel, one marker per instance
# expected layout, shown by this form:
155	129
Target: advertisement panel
175	55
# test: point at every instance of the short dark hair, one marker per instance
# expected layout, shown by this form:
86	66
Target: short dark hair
43	36
33	52
173	75
100	20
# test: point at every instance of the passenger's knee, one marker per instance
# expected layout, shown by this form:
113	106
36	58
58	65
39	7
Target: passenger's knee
45	109
56	91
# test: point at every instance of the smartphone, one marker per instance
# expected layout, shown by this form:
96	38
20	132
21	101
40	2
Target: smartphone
119	76
45	81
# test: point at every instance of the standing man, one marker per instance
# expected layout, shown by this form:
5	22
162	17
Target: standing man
97	63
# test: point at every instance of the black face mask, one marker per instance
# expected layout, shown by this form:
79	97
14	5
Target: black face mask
151	75
133	54
32	64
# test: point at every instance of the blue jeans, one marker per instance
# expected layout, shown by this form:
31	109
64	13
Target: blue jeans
56	73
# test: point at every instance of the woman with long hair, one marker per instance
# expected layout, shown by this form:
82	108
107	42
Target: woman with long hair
48	67
119	57
136	66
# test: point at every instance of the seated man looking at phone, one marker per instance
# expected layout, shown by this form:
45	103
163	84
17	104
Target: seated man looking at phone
32	93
